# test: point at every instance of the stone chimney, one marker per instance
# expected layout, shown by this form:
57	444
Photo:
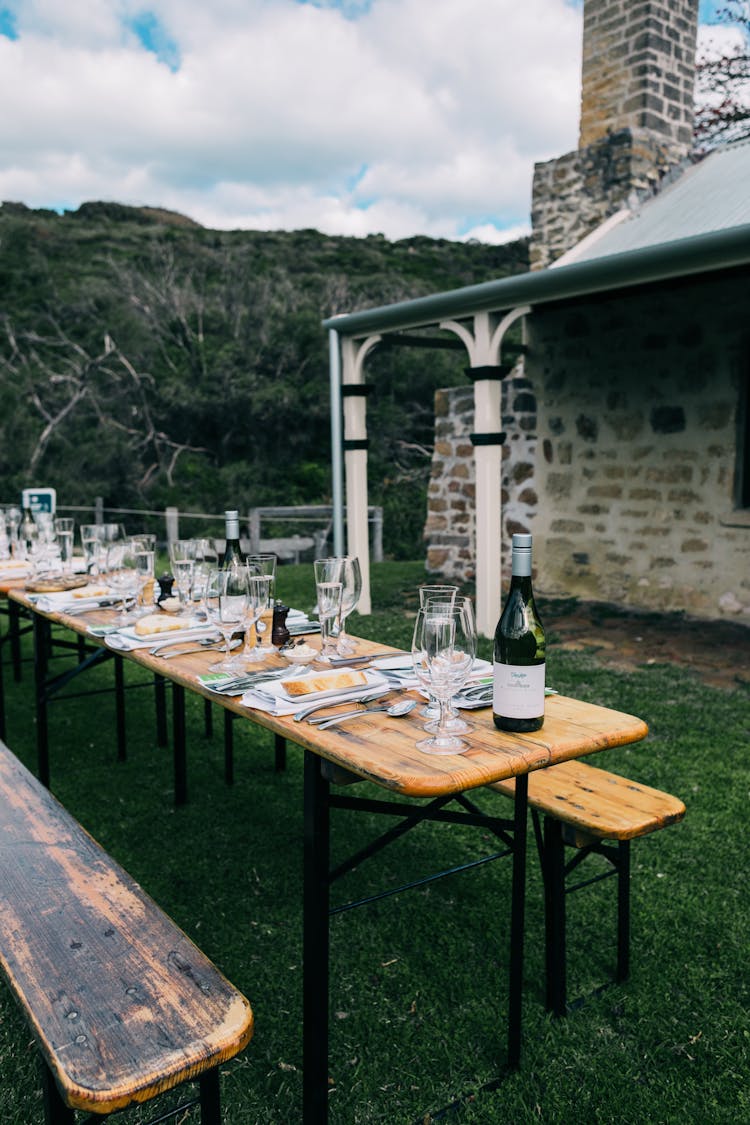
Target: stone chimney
636	118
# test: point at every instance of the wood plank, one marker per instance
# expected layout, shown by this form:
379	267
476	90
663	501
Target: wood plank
601	803
122	1003
382	749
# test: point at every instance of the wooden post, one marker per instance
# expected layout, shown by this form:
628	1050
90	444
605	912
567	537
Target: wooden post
377	535
172	519
99	510
253	521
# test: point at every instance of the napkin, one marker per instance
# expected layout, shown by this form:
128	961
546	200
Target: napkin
64	602
126	639
271	697
403	674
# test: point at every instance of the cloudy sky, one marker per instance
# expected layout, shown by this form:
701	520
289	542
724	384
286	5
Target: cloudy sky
351	116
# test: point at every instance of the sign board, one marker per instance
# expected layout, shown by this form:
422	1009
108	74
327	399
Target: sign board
39	500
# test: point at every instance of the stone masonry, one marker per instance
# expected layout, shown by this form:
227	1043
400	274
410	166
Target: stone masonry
449	531
638	79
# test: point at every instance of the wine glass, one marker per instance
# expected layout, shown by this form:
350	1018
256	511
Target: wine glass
225	602
351	593
144	565
329	586
183	571
122	574
453	721
259	597
206	559
443	650
264	564
435	594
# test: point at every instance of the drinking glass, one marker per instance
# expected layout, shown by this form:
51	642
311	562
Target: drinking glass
435	595
122	574
259	596
206	559
453	721
183	571
443	650
352	591
265	564
144	565
225	602
329	588
64	530
182	550
92	542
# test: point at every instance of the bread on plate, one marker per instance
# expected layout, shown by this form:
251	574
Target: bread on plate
325	681
157	623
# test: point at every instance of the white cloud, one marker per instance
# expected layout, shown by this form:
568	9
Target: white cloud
401	116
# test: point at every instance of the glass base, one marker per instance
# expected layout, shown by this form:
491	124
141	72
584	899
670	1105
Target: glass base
454	725
442	744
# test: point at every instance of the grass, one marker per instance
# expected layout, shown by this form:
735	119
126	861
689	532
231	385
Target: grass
418	982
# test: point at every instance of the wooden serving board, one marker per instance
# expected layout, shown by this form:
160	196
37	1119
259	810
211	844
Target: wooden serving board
56	584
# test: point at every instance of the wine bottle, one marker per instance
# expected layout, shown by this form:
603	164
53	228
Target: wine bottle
520	650
233	555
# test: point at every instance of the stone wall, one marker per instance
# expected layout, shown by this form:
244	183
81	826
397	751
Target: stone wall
450	528
622	453
639	447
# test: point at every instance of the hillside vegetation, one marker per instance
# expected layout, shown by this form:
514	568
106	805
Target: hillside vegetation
151	361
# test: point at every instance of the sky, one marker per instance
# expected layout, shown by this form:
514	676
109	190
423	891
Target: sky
353	117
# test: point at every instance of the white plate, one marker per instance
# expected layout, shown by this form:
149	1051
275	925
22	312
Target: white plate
277	689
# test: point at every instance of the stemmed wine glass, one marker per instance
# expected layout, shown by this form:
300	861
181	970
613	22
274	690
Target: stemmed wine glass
225	602
350	595
122	574
329	586
443	651
437	595
264	564
259	596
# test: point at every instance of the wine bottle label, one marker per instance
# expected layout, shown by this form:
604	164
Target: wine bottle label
518	690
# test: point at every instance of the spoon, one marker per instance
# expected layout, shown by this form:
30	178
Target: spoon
396	711
200	645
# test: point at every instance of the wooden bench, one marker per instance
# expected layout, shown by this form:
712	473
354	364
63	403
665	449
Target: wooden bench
122	1004
593	811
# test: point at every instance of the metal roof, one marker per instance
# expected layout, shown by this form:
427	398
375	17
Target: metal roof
698	224
711	195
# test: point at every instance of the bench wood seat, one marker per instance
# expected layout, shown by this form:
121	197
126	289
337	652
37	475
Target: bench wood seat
596	812
597	803
122	1004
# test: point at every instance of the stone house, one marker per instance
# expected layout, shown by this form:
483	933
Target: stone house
621	437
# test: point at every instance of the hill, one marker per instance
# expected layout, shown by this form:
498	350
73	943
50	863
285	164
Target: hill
150	360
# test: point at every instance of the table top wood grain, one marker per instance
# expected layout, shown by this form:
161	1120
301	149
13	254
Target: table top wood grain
382	749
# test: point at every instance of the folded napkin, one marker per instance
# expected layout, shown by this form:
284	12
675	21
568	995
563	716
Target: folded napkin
271	696
404	676
64	602
126	639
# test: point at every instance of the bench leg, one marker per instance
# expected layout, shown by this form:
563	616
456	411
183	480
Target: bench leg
208	718
553	874
179	744
623	910
120	707
210	1098
56	1112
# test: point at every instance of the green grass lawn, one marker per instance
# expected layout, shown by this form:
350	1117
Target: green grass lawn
419	981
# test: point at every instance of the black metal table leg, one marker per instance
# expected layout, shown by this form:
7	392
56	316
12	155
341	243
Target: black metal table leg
56	1112
315	944
518	903
120	707
160	699
229	748
179	747
41	633
14	632
279	743
208	718
623	910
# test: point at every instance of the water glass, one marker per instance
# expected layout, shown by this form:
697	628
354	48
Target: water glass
259	597
329	588
352	591
264	564
64	530
183	571
443	651
225	602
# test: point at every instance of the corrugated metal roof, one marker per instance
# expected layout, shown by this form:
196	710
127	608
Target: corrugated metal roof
710	196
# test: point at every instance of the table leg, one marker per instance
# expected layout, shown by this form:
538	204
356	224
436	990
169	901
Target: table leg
315	945
179	748
14	632
229	748
515	992
41	631
279	743
2	694
160	700
120	707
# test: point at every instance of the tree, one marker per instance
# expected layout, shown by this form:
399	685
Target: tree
722	110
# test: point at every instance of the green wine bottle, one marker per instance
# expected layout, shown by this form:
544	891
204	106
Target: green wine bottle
233	555
520	651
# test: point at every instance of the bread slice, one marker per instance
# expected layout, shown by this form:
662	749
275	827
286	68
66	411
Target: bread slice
92	592
326	681
157	623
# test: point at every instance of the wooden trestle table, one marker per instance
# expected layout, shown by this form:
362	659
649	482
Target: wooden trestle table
381	750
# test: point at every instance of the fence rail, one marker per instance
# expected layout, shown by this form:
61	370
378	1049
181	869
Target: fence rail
314	520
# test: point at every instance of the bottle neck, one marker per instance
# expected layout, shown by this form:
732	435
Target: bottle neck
232	528
521	564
